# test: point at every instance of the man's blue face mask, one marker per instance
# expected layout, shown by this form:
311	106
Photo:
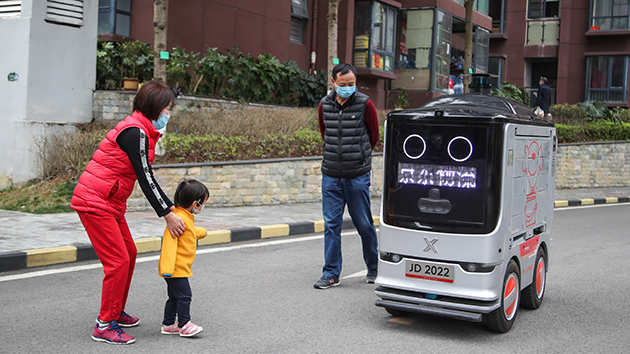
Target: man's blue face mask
162	121
345	92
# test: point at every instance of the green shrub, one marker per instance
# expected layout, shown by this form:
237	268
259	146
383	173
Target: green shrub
605	131
118	60
510	90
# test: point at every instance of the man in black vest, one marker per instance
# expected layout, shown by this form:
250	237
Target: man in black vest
349	126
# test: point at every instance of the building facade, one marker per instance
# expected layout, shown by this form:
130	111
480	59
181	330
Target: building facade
411	46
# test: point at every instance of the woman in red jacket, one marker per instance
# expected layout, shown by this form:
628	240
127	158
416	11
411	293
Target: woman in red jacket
100	199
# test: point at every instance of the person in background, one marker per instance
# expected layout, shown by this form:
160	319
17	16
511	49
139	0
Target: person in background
349	126
100	199
543	101
177	256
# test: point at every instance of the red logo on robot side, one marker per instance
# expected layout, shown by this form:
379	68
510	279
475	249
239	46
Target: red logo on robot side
532	165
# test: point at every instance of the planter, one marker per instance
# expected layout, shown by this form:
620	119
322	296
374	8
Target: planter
130	84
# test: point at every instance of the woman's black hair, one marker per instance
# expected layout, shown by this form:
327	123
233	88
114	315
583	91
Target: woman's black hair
188	191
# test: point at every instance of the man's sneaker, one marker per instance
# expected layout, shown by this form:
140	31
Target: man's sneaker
126	320
190	329
113	334
172	329
325	283
370	277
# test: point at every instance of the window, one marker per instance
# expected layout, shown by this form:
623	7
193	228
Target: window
114	17
10	8
299	15
480	6
497	12
543	8
65	12
609	15
495	69
375	33
482	45
607	78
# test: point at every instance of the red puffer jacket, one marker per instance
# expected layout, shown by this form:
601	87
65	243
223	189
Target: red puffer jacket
109	177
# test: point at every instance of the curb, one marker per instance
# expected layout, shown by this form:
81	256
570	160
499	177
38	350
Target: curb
68	254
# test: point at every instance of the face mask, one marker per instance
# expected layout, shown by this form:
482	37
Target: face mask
162	121
345	92
197	211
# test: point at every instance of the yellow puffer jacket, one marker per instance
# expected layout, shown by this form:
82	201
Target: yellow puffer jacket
178	253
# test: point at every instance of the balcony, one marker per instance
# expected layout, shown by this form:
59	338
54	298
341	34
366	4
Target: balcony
543	31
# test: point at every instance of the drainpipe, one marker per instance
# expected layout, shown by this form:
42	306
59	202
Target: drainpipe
314	37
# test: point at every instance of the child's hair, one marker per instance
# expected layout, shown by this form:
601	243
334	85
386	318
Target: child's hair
188	191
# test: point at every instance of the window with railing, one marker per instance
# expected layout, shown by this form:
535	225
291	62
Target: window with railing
299	15
114	17
607	78
609	15
496	10
375	34
495	69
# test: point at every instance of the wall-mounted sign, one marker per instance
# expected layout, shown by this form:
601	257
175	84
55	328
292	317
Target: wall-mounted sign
12	77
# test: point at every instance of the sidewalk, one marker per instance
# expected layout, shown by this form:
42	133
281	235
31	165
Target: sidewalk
29	240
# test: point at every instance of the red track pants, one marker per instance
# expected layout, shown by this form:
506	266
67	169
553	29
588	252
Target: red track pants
114	246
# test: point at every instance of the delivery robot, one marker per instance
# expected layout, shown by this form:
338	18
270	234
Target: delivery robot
467	207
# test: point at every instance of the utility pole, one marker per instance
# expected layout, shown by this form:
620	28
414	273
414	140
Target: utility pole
159	43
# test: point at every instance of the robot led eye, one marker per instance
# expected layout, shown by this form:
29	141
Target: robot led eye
414	146
460	149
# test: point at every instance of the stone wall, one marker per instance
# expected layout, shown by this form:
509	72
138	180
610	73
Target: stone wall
593	165
299	180
116	105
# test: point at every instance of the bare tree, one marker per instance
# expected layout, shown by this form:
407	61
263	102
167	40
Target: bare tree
468	46
333	20
159	43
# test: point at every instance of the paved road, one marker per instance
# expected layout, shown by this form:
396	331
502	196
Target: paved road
258	297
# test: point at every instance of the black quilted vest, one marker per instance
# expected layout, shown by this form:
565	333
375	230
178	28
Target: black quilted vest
347	148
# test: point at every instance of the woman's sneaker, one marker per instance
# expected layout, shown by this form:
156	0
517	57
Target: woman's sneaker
126	320
190	329
172	329
112	334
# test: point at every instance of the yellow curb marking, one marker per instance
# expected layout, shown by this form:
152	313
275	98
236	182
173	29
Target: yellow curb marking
587	201
612	200
48	256
214	237
319	225
377	220
274	230
561	203
148	244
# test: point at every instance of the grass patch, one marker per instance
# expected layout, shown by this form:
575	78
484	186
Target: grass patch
44	197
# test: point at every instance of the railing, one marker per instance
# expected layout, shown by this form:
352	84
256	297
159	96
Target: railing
543	32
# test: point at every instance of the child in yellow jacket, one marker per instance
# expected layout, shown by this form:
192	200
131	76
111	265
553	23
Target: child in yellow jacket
177	256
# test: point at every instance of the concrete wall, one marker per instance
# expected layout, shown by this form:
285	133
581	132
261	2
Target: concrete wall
56	66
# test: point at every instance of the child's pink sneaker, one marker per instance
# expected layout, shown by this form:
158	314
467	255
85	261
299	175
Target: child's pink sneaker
190	329
172	329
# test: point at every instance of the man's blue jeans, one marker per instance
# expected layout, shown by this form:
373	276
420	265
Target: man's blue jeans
355	192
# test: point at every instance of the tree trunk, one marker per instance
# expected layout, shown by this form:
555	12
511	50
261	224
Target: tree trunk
159	43
333	19
468	47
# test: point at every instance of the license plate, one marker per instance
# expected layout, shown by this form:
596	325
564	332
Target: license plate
430	271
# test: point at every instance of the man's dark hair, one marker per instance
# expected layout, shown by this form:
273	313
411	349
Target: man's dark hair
544	80
343	69
188	191
152	98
